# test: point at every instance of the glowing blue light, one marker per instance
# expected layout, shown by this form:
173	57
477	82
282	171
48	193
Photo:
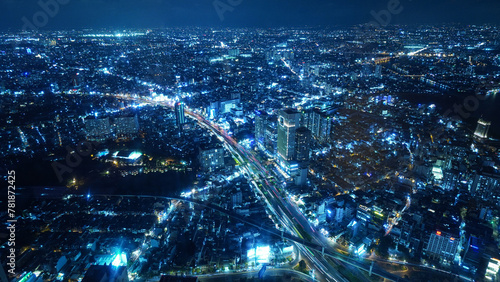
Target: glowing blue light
361	249
288	249
134	155
119	260
102	153
261	254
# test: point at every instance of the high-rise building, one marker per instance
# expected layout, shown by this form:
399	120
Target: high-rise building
212	110
226	106
179	115
288	122
320	124
302	149
485	185
271	136
451	180
302	144
442	246
98	129
482	128
260	127
293	146
126	126
236	198
211	157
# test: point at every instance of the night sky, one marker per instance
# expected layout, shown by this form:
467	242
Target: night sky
245	13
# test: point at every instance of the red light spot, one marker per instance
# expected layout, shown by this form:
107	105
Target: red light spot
438	233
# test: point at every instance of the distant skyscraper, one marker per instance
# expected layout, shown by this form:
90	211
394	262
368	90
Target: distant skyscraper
288	122
179	115
482	128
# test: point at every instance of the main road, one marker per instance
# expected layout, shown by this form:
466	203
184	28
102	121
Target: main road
293	223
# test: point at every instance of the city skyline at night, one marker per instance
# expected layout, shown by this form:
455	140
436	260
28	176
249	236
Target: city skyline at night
235	140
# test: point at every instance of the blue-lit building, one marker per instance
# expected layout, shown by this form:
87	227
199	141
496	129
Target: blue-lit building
126	126
320	124
211	157
260	127
442	246
486	186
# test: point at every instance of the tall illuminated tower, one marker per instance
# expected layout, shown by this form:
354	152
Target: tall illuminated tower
179	115
288	122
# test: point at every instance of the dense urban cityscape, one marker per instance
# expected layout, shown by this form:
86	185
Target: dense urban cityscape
354	153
